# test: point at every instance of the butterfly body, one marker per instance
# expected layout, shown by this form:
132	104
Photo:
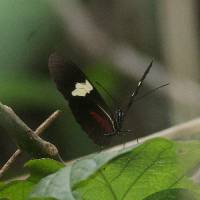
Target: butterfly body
87	105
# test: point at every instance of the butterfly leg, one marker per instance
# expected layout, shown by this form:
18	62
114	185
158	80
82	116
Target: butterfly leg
125	132
118	132
110	134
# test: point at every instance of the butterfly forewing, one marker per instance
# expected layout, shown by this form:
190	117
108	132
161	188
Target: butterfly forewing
88	107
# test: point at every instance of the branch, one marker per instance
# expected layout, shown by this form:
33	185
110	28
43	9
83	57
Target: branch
9	119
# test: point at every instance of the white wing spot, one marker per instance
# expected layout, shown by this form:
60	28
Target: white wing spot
81	89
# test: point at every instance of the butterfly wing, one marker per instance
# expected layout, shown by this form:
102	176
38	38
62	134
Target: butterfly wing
88	107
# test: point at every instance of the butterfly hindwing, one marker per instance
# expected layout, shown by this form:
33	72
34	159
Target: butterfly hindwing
93	120
87	105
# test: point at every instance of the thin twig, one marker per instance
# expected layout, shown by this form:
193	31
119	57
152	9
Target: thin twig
38	131
47	122
11	160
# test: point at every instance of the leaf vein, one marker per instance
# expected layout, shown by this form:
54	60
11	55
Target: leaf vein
109	185
144	171
127	164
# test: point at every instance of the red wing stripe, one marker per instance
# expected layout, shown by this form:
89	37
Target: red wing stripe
104	124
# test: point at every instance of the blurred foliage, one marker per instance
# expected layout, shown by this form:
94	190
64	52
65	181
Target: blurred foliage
30	31
130	22
23	90
24	29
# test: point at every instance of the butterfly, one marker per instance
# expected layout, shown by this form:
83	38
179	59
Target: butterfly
88	107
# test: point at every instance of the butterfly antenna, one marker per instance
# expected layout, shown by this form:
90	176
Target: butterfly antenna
106	91
150	92
139	85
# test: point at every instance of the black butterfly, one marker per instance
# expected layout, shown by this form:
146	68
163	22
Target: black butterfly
87	105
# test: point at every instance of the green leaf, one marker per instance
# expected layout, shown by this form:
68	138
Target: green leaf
171	194
58	185
158	169
2	184
150	168
39	168
43	198
147	169
188	154
17	190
